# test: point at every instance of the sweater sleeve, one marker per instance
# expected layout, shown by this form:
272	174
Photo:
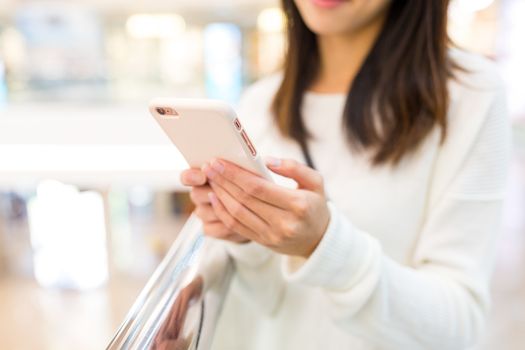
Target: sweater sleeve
440	298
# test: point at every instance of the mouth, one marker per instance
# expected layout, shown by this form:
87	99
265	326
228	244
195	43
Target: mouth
328	4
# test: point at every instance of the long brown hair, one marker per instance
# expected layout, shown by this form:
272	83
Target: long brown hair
400	92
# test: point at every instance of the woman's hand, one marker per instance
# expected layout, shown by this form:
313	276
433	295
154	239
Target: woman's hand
213	227
290	222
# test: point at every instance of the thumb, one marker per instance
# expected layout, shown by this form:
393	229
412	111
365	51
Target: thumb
306	177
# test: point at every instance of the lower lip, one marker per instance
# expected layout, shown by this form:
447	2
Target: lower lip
328	3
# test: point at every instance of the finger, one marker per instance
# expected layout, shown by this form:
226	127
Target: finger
219	231
306	177
199	195
206	213
238	211
193	177
252	184
229	220
262	209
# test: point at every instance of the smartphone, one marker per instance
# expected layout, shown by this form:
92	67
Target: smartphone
206	129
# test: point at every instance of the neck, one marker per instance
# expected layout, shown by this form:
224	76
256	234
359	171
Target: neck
341	57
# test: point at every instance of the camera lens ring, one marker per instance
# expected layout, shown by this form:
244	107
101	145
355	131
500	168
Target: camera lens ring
161	111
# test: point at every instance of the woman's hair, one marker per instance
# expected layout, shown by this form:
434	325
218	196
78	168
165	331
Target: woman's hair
398	95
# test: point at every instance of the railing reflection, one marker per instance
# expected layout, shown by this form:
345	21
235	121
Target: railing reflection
179	306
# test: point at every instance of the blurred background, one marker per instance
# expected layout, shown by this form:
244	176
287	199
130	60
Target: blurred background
89	194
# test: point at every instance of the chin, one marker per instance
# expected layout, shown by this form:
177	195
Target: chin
346	17
331	26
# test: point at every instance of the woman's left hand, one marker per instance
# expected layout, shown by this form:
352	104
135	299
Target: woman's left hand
288	221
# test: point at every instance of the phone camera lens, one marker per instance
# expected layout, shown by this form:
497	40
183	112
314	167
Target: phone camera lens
161	111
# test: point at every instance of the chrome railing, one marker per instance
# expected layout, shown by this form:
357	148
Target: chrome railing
180	305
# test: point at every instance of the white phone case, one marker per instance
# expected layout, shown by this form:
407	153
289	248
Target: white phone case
206	129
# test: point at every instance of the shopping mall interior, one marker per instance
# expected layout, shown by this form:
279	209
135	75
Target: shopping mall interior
90	197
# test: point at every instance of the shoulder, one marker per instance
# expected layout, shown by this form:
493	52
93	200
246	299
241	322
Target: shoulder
477	119
475	90
475	72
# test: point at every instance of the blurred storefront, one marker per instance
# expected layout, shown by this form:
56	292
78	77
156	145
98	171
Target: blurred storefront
113	53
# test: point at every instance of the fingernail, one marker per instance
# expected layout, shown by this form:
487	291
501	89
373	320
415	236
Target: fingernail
217	166
273	162
196	177
208	171
213	198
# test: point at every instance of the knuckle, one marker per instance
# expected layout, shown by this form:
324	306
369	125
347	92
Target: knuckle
230	223
301	209
244	197
300	206
274	241
254	189
288	228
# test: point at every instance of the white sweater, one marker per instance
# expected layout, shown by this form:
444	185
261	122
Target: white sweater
407	257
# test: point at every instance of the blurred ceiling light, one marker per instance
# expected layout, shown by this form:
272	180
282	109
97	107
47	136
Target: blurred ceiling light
271	20
471	5
150	26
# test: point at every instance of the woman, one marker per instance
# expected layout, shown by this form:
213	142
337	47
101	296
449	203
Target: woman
389	243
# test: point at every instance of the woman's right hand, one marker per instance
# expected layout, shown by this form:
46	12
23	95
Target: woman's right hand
199	195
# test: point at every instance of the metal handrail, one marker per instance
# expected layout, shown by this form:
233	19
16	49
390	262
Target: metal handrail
179	306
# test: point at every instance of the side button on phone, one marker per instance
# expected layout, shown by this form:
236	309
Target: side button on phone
248	143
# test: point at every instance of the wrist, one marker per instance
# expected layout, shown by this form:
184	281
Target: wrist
318	237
